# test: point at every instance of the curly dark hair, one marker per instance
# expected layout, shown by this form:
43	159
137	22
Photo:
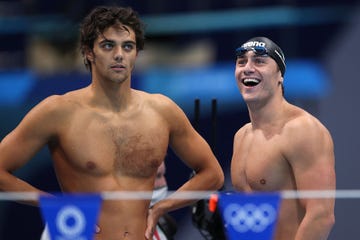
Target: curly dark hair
103	17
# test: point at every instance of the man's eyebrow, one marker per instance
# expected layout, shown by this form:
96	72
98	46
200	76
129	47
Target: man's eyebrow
105	40
261	56
130	41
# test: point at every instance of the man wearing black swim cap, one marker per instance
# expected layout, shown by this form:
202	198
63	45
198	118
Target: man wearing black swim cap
283	147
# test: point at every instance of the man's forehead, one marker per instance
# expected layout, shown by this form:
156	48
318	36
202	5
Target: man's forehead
118	30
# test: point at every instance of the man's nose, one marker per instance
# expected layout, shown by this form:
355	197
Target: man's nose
249	67
118	54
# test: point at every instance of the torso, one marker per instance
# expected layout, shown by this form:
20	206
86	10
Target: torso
98	150
259	164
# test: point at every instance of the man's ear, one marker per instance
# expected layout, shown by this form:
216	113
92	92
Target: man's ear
281	80
89	55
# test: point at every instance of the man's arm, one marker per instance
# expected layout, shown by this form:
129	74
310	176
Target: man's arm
312	159
195	152
20	145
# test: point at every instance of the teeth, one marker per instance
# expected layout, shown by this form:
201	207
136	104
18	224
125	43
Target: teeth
251	80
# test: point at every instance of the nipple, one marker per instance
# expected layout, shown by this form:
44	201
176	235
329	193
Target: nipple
263	181
90	165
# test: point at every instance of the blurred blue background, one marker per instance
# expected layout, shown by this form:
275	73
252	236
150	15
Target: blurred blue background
189	54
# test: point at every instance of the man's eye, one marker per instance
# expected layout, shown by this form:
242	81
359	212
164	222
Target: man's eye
107	45
241	61
128	47
259	60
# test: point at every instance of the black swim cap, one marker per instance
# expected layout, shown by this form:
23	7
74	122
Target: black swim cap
270	48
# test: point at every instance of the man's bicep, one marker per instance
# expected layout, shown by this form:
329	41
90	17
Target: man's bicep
12	153
33	132
312	160
192	149
314	170
17	148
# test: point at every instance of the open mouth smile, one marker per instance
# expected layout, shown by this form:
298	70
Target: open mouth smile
250	82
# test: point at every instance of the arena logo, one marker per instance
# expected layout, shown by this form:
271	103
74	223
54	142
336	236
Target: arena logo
254	44
249	217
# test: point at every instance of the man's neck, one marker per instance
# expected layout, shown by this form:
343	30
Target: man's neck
114	96
268	114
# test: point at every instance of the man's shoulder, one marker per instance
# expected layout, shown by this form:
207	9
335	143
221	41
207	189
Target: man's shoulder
306	137
303	125
301	119
156	100
243	130
154	96
60	103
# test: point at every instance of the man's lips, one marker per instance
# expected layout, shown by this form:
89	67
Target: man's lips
250	82
118	67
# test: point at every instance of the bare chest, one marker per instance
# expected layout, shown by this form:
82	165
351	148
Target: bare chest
259	165
126	147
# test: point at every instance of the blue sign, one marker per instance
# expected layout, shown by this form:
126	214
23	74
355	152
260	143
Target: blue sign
70	217
249	216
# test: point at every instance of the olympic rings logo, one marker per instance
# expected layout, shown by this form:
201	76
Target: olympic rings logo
70	222
249	217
